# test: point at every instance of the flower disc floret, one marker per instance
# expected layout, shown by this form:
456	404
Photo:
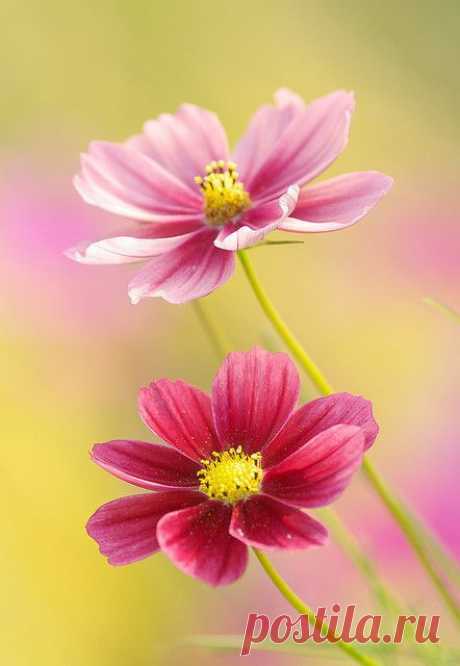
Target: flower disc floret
231	476
224	195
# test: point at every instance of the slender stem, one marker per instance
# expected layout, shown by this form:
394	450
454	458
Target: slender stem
302	608
442	307
214	333
285	334
396	509
345	539
411	533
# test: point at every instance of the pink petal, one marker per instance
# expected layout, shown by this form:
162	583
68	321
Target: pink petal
198	542
183	143
146	465
313	139
318	415
266	128
181	415
318	472
264	522
287	98
124	181
191	270
123	249
337	203
257	222
253	395
125	528
233	238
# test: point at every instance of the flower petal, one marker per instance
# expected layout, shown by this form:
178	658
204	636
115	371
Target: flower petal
318	415
257	222
125	528
284	97
198	542
123	181
264	522
146	465
253	395
190	270
318	472
183	143
313	139
181	415
122	249
337	203
266	127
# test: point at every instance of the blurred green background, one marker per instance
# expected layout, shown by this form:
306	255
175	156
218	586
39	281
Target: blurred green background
74	351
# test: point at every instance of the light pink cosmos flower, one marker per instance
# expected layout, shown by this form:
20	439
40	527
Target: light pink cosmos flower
239	468
196	202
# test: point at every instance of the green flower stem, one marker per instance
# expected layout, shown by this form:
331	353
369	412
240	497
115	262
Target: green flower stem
412	534
282	329
387	600
442	307
302	608
216	337
396	509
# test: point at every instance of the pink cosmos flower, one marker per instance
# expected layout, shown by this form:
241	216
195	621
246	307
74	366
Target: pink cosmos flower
239	468
195	203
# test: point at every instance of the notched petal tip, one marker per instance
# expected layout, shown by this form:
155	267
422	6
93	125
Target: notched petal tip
288	201
74	254
287	97
83	188
387	182
135	296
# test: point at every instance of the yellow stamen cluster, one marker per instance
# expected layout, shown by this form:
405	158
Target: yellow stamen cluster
231	476
224	195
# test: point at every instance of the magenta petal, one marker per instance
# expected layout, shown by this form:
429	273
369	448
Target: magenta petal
272	211
264	522
198	542
253	395
233	238
183	143
124	181
284	97
319	415
313	139
337	203
190	270
257	222
122	249
125	528
146	465
265	130
318	472
181	415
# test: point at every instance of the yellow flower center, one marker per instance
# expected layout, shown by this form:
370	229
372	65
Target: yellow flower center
224	195
231	476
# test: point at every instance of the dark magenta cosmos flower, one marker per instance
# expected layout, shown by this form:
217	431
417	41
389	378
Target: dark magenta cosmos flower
240	467
196	202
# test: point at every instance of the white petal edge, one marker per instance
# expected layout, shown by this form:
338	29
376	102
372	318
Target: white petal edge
248	237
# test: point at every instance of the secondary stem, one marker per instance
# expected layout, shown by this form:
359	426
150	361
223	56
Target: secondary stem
215	335
395	507
341	535
411	533
302	608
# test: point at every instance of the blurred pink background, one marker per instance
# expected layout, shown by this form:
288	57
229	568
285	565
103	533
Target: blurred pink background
75	351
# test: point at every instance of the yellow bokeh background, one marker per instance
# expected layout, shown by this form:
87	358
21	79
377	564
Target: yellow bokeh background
74	351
